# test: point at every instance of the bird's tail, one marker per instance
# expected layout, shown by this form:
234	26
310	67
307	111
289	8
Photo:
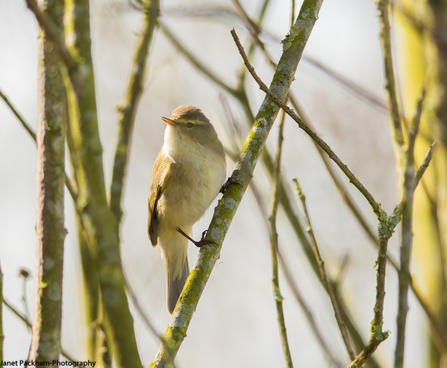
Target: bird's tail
175	284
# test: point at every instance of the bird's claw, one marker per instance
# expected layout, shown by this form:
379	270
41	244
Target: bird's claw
199	243
227	184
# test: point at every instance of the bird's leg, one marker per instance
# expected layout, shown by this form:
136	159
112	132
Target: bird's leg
199	243
227	184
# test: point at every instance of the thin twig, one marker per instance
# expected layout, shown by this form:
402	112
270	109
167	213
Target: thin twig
285	202
68	182
259	198
292	15
254	28
311	133
18	116
390	84
142	314
30	325
274	248
339	185
434	321
352	87
427	159
377	334
406	208
324	278
198	64
349	85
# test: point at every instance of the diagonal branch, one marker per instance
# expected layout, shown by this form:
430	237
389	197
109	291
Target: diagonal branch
227	207
323	145
18	116
424	165
30	325
323	275
197	63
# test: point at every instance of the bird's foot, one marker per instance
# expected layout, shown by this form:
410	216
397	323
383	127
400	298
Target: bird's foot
199	243
227	184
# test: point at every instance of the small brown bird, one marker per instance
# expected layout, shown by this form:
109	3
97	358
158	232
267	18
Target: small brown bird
187	176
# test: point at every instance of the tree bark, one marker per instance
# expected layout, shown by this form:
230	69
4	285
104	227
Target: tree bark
52	115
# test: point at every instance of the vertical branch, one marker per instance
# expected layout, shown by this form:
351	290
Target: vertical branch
292	17
100	223
405	153
46	332
127	110
323	276
92	303
274	248
377	334
406	208
390	81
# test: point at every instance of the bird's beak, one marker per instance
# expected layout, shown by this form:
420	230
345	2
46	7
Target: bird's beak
169	121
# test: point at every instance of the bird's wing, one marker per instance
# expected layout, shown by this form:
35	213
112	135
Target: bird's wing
160	175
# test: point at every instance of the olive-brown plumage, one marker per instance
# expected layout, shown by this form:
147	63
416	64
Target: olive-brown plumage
188	173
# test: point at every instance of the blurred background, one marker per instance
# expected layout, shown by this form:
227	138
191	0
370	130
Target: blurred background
235	322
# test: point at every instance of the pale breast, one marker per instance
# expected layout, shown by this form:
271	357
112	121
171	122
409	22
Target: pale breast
193	183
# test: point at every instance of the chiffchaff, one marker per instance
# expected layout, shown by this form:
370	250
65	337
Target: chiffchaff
187	176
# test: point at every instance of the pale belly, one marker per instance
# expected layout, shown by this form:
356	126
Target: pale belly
190	190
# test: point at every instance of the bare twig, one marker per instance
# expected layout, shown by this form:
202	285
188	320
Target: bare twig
311	133
259	198
274	248
377	334
390	84
406	209
146	320
324	278
352	87
424	165
68	183
30	325
18	116
292	13
198	64
295	223
349	85
339	185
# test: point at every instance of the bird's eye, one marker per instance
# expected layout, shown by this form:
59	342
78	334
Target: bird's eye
189	125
